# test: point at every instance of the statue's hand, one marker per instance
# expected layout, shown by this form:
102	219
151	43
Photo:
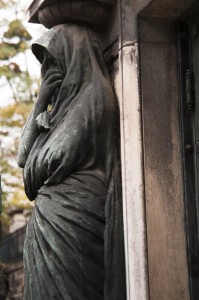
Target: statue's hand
50	82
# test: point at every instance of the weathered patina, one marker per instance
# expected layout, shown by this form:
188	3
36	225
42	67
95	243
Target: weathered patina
74	240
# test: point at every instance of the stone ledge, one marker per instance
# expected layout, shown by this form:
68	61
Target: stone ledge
52	12
168	9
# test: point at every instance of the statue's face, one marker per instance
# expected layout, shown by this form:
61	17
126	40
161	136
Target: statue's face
48	63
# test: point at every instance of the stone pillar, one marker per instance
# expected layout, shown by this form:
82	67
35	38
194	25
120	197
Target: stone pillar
132	155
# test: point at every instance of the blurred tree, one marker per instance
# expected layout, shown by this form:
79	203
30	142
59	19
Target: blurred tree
15	41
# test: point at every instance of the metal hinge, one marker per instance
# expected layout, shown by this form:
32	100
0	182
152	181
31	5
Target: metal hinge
190	101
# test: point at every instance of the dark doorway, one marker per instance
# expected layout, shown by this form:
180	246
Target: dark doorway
188	40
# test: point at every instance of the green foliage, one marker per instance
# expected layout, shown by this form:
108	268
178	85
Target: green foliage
22	46
16	29
15	41
10	71
22	109
7	51
5	71
12	117
4	218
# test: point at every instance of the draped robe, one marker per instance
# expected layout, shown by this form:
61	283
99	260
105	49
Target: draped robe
74	242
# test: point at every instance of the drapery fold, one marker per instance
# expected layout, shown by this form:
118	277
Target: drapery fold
74	241
64	248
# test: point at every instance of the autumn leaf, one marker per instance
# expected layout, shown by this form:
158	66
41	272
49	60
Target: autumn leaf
14	67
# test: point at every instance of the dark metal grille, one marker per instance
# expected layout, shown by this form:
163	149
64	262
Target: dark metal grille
11	247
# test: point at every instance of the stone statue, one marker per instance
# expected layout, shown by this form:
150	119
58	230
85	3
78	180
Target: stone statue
74	241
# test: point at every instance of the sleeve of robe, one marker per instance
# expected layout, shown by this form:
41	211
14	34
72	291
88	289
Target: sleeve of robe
68	146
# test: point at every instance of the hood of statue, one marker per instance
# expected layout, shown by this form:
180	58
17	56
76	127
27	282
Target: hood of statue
95	13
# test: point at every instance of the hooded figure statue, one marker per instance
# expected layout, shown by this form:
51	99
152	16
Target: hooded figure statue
74	240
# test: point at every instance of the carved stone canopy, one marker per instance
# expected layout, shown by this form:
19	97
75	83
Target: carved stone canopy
90	12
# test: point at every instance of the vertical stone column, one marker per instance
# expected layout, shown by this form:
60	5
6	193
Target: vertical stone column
127	83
